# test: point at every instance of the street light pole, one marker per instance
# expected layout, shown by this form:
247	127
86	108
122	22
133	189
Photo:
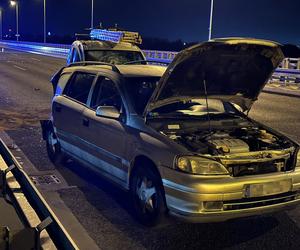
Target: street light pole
211	19
92	15
45	23
15	3
1	25
17	19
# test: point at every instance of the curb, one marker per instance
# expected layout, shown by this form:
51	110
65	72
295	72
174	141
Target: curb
278	91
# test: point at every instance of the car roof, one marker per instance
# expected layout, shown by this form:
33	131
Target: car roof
124	70
142	70
238	40
106	45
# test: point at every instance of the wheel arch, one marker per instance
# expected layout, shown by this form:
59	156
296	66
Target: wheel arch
143	160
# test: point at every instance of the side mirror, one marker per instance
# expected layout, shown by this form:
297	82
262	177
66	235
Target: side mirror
108	111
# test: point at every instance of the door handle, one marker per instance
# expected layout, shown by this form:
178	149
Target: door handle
85	122
58	108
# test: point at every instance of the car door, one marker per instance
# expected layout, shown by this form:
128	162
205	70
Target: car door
106	136
67	111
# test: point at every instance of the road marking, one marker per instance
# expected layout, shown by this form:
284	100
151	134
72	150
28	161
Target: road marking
38	60
19	68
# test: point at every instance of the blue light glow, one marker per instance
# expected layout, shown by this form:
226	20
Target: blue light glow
106	35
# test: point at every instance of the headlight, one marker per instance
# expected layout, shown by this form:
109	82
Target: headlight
201	166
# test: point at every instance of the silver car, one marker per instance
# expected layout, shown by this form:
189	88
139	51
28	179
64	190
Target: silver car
178	138
104	51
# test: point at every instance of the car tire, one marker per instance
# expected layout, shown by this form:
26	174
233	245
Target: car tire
147	197
53	148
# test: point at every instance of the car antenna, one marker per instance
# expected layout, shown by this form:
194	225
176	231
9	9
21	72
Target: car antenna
206	100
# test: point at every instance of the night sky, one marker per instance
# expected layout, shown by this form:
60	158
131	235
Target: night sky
172	19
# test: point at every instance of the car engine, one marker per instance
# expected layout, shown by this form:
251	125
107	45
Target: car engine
252	142
226	142
228	146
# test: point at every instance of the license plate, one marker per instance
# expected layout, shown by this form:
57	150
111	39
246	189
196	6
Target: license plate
269	188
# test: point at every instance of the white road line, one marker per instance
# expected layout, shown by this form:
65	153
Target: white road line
19	68
38	60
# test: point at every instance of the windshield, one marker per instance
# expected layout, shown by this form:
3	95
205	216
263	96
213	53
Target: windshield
113	56
196	108
139	90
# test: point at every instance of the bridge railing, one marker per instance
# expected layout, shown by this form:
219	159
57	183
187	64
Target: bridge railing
288	72
164	56
50	49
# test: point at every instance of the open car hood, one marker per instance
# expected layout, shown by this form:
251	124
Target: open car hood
233	70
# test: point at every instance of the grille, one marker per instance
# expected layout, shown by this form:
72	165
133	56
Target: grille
259	201
257	168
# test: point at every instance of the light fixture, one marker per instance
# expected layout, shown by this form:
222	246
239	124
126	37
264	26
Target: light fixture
13	3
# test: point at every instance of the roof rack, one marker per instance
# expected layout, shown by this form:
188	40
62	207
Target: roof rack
116	35
87	63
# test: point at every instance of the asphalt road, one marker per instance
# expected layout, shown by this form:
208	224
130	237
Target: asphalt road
102	209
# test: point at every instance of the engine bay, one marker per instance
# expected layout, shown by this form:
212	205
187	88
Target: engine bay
227	142
224	142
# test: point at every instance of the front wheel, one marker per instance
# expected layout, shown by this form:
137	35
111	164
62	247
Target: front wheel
147	196
53	147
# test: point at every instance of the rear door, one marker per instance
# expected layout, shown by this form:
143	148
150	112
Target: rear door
67	111
106	137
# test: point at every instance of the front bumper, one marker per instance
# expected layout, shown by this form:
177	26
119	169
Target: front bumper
212	199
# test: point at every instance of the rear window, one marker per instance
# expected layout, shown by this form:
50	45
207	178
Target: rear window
113	56
79	86
140	90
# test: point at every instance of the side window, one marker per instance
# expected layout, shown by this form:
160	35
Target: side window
106	94
79	86
64	78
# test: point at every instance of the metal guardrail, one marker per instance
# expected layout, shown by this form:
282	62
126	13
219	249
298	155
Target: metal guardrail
62	50
287	73
55	50
164	56
58	234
